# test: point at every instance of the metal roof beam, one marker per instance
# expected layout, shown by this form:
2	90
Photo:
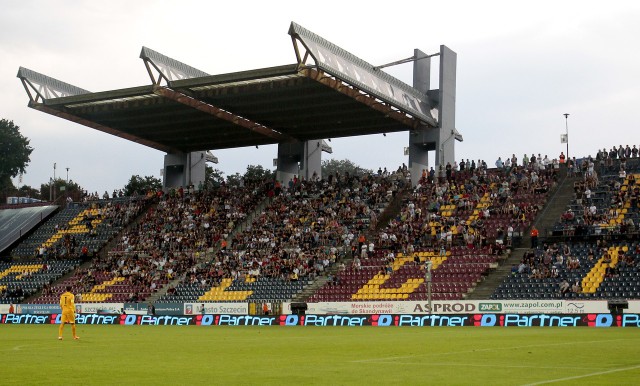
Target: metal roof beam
45	87
368	100
167	68
342	64
221	114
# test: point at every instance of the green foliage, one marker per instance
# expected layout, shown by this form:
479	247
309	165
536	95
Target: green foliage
333	166
258	173
62	188
6	188
140	185
253	174
213	177
14	157
234	179
14	150
28	191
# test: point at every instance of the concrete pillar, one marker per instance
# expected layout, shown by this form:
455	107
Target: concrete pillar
440	139
445	152
183	169
418	147
289	158
300	159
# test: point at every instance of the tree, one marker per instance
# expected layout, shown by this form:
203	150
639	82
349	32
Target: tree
61	188
258	173
234	179
333	166
212	177
14	154
28	191
139	185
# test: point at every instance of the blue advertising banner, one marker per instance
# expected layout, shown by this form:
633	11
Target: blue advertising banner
384	320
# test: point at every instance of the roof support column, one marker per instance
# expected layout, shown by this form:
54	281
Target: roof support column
299	159
442	138
418	148
184	169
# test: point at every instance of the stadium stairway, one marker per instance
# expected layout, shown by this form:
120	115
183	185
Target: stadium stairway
102	253
550	214
211	253
393	209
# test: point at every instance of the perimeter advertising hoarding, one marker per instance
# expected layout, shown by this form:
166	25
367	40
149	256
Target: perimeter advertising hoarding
215	308
133	308
463	307
328	308
375	320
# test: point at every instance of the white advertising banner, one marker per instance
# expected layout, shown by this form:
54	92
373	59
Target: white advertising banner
464	307
99	308
216	308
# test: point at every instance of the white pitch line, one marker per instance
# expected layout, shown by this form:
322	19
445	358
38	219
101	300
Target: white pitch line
486	349
497	365
583	376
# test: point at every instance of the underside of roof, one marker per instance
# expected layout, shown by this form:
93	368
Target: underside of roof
195	111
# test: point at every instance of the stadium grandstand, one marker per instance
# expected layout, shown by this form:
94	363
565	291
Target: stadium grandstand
530	228
347	238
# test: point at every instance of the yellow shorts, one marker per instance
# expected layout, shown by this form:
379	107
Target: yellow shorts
68	317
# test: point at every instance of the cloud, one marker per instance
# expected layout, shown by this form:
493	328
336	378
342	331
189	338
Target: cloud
520	67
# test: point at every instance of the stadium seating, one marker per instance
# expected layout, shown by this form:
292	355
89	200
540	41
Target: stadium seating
594	276
262	242
599	230
21	280
91	225
295	237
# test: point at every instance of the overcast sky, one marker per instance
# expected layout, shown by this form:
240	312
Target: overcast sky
521	65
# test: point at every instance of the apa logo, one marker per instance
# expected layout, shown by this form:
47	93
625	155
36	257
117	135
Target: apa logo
488	320
601	320
129	320
383	320
205	320
290	320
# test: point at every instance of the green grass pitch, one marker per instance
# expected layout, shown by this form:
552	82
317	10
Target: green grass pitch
180	355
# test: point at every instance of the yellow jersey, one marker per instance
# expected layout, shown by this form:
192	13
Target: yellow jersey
67	302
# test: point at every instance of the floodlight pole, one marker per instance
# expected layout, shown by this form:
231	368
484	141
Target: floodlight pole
566	127
427	279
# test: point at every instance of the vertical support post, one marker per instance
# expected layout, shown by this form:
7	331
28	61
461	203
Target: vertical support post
419	149
427	279
445	151
301	159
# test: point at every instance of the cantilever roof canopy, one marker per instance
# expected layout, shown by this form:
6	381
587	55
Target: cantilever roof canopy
328	93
